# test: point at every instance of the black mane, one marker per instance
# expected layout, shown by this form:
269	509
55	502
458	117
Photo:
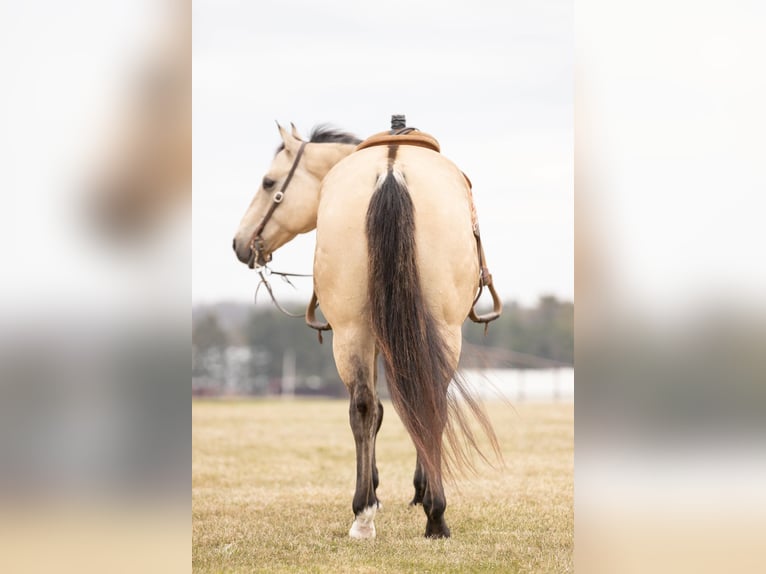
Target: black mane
325	133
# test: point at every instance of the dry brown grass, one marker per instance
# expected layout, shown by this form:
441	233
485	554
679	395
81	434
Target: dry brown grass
272	484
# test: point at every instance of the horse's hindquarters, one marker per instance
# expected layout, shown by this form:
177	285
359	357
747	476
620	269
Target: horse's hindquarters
395	271
446	248
447	257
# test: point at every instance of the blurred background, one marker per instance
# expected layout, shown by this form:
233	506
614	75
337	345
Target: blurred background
670	453
94	230
94	329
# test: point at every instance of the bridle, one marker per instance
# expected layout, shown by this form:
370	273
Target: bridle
256	241
256	254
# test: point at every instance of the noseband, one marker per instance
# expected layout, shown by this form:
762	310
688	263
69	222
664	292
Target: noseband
256	241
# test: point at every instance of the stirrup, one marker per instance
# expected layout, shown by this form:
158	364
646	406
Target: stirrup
311	319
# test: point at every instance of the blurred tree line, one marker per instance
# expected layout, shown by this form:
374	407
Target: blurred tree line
242	348
545	331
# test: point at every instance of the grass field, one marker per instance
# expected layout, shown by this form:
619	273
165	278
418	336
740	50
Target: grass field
272	484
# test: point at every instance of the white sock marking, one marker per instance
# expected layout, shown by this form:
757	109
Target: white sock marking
363	526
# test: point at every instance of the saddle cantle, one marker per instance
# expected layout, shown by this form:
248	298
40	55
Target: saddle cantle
405	136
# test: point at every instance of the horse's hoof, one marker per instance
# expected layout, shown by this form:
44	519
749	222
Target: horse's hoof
364	526
438	530
358	532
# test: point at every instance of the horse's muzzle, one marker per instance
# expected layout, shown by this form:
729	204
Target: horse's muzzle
242	250
258	259
259	255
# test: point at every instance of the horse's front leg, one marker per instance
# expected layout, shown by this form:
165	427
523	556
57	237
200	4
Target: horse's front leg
355	366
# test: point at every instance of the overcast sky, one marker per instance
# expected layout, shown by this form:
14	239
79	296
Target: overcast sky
492	81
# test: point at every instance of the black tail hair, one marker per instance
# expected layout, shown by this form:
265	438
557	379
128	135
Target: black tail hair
416	356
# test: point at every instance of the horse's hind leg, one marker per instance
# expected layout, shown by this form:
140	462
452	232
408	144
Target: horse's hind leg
355	361
434	505
419	482
375	477
436	527
429	491
433	500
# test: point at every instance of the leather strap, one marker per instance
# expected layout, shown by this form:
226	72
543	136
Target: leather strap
256	241
408	136
485	280
311	320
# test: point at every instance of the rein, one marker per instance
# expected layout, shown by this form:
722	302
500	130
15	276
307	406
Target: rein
263	273
256	241
309	314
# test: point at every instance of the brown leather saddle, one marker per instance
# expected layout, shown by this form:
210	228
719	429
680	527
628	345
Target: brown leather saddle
405	136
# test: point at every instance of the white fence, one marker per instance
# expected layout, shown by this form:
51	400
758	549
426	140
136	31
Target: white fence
519	385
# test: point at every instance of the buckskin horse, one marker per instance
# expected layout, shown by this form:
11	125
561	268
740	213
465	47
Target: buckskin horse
397	269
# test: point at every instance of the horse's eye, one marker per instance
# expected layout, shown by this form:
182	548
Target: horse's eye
268	183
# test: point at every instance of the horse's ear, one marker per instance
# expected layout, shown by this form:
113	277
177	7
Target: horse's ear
291	143
296	135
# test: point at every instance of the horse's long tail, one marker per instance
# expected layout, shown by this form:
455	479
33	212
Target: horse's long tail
416	356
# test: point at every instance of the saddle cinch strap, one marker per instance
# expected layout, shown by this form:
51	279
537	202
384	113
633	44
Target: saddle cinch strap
414	137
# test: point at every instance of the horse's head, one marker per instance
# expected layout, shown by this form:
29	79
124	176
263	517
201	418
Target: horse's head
287	200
